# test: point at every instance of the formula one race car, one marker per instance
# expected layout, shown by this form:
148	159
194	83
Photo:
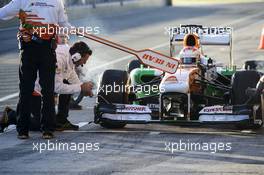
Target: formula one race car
199	92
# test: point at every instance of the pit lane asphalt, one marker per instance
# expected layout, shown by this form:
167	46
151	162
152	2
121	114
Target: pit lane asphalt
140	149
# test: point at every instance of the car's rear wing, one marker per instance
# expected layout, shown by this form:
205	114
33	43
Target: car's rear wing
217	36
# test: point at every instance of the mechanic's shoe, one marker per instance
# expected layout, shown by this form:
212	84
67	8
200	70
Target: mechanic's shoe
47	135
4	119
75	106
66	126
23	136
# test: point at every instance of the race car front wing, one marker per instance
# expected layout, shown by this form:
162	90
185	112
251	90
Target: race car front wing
138	114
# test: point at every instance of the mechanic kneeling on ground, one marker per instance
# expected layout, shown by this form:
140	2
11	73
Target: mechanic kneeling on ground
66	83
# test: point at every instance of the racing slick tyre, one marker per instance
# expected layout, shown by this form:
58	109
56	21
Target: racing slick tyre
241	81
133	65
113	79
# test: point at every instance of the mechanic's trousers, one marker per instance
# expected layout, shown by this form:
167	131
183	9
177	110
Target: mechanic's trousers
37	58
34	117
63	108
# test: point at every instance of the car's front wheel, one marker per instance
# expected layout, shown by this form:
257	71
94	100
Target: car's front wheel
113	90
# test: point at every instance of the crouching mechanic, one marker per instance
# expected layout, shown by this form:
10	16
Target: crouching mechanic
66	83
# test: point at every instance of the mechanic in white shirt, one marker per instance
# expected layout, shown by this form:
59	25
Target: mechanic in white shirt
65	68
39	20
67	81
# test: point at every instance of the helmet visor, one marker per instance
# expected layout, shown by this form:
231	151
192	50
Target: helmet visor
188	60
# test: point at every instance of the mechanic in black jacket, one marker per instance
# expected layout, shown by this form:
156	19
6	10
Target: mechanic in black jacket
39	21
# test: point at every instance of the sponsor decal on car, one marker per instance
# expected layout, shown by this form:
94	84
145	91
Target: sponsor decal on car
153	107
132	109
217	110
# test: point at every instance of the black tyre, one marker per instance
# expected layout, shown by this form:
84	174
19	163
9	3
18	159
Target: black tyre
242	80
112	78
133	65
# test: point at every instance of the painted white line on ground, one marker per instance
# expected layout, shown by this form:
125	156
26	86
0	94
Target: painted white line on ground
213	3
13	127
154	133
107	131
89	107
240	20
9	97
7	29
9	105
81	124
102	131
9	129
248	132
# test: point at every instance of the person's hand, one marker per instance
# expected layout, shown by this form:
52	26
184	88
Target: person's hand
87	88
24	36
91	86
90	94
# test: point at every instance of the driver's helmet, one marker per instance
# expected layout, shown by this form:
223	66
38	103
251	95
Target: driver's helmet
190	55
